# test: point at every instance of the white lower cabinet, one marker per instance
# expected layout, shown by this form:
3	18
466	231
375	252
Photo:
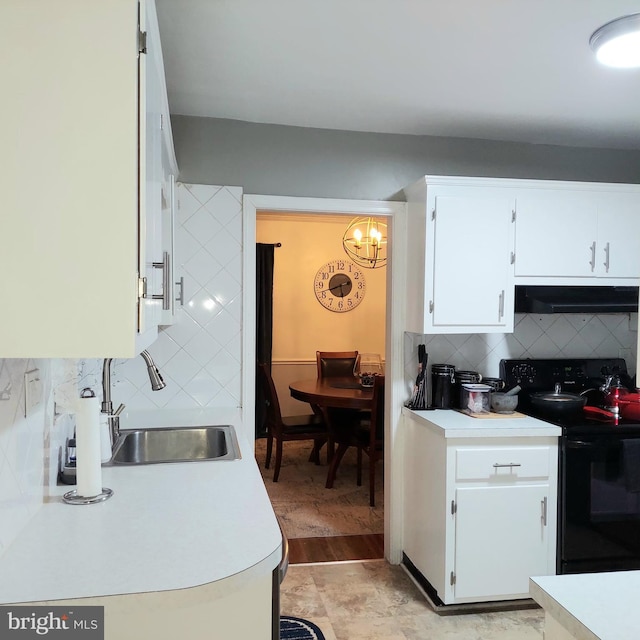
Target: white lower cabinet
480	513
500	540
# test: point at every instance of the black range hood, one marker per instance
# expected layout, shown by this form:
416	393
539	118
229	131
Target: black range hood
552	299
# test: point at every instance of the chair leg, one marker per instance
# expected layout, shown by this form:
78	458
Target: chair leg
276	469
372	480
359	467
373	459
269	449
335	461
314	456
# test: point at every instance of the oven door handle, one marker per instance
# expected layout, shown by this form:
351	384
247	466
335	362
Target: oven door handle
580	444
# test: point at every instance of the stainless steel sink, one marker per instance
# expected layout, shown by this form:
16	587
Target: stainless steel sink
181	444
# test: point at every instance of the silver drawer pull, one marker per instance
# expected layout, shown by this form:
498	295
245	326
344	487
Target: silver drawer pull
510	465
180	297
165	265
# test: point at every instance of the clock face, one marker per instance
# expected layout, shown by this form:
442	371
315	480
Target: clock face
339	286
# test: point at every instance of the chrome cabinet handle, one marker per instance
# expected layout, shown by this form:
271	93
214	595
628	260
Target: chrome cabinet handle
180	297
606	259
543	516
501	305
592	262
497	465
165	265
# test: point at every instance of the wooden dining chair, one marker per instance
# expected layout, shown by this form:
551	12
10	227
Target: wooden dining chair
367	435
335	364
282	429
370	438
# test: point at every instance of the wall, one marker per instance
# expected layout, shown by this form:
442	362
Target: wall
21	441
301	324
29	447
294	161
273	159
535	336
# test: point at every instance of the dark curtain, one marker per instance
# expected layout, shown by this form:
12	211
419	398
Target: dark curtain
264	324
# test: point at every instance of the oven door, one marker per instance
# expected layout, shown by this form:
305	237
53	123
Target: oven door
599	504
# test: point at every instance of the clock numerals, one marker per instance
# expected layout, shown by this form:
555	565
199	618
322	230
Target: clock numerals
339	286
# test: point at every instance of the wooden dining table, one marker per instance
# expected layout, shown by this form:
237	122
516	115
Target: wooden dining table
331	394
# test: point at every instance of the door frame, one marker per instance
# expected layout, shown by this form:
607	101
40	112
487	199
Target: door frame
395	390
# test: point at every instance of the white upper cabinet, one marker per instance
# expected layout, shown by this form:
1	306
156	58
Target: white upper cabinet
471	240
158	167
78	138
460	252
577	231
618	244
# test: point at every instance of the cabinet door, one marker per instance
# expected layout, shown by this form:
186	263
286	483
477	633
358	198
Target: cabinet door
617	254
501	540
556	232
472	285
168	246
151	263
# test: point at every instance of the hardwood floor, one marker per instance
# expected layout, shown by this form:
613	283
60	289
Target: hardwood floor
336	548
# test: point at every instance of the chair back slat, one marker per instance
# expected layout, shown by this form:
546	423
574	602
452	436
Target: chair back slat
274	415
335	364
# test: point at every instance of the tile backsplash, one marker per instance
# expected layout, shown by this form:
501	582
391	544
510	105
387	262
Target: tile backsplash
568	335
27	469
21	446
200	355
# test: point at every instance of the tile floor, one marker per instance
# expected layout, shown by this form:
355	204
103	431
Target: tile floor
374	600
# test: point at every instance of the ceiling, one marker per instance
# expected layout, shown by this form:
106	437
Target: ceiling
518	70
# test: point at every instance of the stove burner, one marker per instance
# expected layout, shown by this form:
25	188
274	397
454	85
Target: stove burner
584	376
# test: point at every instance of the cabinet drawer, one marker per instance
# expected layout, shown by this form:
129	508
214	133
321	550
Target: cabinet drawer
502	463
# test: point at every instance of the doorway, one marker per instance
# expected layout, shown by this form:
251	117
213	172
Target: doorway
327	524
395	278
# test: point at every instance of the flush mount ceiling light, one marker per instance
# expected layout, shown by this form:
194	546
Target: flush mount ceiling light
617	43
365	242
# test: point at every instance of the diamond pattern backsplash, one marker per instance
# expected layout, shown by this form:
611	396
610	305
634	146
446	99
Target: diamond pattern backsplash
200	355
568	335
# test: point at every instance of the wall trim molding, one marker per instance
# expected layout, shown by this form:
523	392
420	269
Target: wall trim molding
395	324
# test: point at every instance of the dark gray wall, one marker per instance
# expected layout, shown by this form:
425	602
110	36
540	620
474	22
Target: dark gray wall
294	161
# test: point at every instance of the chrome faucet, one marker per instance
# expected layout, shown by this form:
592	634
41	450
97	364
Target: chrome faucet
155	379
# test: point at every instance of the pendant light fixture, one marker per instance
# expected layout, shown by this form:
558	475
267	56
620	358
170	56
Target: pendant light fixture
617	43
365	242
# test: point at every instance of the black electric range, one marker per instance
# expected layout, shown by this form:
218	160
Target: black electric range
599	465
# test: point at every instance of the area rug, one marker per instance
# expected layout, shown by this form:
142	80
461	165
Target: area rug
306	509
299	629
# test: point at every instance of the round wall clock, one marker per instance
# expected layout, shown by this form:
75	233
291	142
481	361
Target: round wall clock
339	285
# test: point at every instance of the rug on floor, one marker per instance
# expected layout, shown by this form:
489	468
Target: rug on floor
299	629
306	509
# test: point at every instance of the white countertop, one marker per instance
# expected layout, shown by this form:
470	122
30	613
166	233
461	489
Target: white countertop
167	526
592	606
454	424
